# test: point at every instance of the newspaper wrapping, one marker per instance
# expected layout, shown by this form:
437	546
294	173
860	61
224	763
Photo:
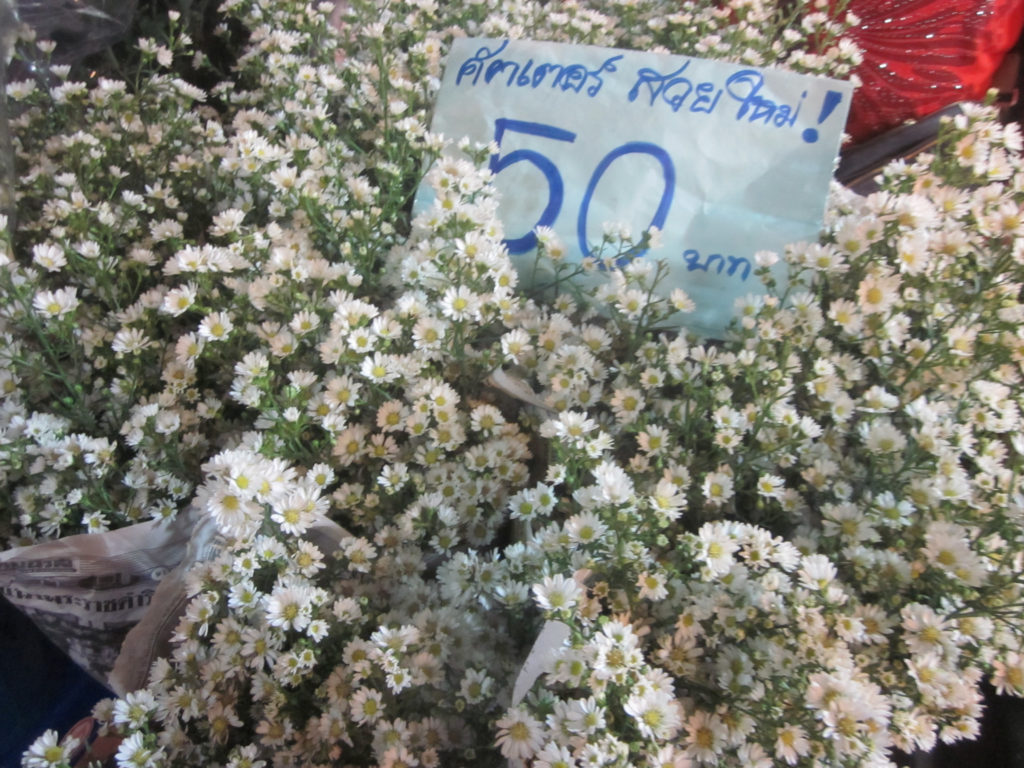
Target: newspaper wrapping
111	600
86	591
150	639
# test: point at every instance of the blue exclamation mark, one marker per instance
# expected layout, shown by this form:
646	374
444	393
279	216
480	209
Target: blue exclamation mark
832	99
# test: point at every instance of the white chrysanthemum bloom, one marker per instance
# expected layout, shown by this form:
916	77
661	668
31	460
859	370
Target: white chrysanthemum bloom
893	512
571	426
520	734
56	303
717	487
657	714
652	585
460	303
585	528
516	344
615	652
476	686
614	486
705	737
49	256
235	514
188	348
770	486
925	631
486	419
21	89
308	559
627	403
290	606
581	717
716	548
557	593
878	400
1008	675
947	547
882	436
359	554
731	418
523	505
380	368
95	522
654	440
48	751
296	510
227	222
130	341
135	709
429	332
791	744
668	499
632	302
817	572
216	326
878	293
554	755
134	752
913	253
366	706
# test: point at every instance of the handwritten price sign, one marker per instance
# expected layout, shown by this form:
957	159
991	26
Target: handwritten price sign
724	159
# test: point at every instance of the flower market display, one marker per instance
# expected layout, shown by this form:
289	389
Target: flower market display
801	545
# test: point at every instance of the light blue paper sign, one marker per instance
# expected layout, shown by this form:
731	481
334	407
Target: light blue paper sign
725	159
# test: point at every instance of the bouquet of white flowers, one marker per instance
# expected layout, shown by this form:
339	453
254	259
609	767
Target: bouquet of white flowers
797	546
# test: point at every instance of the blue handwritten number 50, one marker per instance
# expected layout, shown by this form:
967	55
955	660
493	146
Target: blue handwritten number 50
556	187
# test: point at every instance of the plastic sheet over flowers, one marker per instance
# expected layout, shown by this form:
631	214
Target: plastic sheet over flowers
77	27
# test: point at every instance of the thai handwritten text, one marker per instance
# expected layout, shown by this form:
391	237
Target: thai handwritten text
692	258
675	90
567	77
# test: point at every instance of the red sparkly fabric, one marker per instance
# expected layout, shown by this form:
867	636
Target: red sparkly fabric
923	55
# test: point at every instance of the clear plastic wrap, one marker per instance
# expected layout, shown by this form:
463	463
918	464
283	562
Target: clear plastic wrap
8	35
78	27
